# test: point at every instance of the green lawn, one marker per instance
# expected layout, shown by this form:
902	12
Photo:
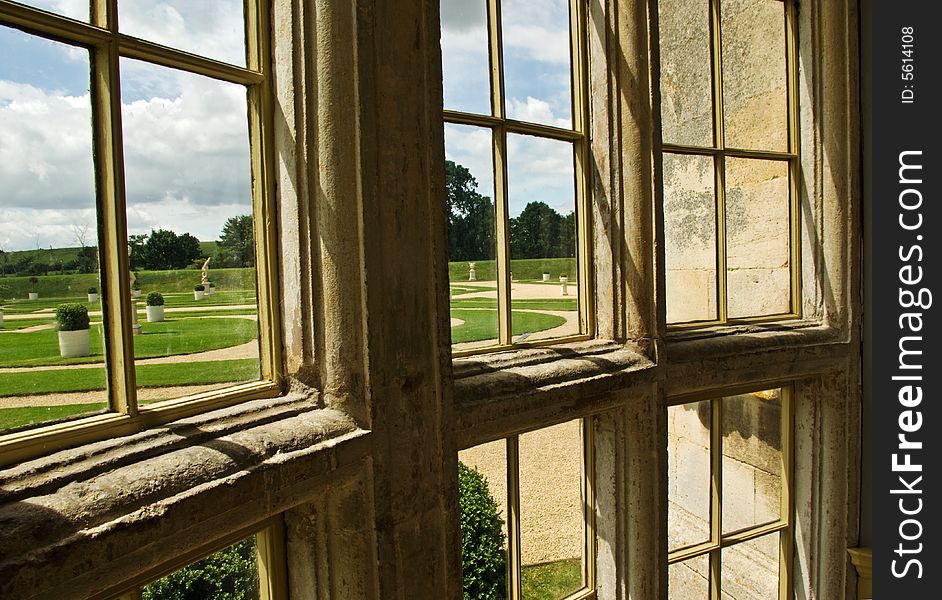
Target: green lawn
482	324
530	304
551	581
83	380
173	336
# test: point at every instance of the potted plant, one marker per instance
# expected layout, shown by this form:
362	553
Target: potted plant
546	276
211	289
72	321
92	294
155	307
33	294
199	290
136	289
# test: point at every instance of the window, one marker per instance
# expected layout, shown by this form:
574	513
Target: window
729	161
136	155
729	496
515	150
538	482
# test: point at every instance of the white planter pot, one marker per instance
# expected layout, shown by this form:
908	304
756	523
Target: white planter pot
155	314
73	343
199	295
210	291
33	295
546	276
135	293
93	297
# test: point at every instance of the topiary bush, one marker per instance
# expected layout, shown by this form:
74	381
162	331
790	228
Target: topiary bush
71	316
483	558
154	299
199	287
230	574
92	290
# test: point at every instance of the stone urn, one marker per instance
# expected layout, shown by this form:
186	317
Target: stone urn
155	314
34	295
564	284
546	276
73	343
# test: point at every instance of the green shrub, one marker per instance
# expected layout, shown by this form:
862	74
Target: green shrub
483	558
230	574
72	316
92	290
199	287
154	299
136	285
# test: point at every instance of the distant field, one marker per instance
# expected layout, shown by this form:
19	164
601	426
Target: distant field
75	286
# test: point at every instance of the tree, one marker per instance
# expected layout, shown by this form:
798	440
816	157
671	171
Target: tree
470	216
541	232
136	250
236	246
163	250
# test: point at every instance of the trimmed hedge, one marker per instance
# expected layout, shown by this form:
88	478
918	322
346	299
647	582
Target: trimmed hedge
71	316
230	574
483	558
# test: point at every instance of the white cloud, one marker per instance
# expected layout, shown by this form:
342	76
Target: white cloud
213	29
539	170
534	110
186	161
471	147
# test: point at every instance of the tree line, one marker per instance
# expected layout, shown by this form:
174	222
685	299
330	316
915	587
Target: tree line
159	250
537	232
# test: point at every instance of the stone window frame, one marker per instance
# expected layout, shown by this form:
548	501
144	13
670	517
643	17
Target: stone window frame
106	45
500	126
359	457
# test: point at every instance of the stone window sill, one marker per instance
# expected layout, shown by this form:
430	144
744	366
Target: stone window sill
79	502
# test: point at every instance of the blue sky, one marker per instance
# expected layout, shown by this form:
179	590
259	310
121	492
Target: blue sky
536	87
185	137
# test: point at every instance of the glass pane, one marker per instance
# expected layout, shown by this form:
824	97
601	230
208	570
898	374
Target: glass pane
752	459
537	72
690	237
750	570
472	241
230	573
757	237
755	89
51	368
686	86
482	499
212	29
689	481
189	201
689	580
542	229
465	66
75	9
552	530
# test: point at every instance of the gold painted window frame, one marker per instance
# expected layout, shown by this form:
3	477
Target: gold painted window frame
500	126
784	525
106	45
719	152
514	564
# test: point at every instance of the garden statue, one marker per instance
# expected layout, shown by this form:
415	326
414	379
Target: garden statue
205	272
